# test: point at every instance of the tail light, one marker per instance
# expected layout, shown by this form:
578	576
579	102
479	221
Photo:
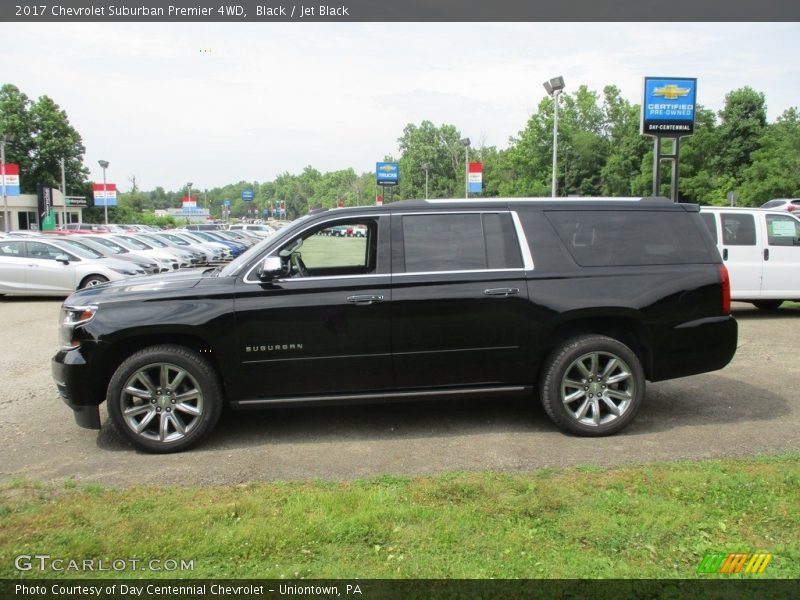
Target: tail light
726	290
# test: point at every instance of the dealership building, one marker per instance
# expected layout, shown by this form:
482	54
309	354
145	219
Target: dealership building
23	212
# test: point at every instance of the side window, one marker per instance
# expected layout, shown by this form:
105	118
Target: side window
340	248
783	231
738	229
604	238
460	242
711	224
39	250
8	248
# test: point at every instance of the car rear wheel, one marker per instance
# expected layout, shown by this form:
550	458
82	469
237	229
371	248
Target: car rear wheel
93	280
592	385
164	398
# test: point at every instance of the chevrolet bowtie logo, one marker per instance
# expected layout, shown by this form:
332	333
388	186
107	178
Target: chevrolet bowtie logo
671	91
387	168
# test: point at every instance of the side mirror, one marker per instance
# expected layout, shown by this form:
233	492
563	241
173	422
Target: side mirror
62	258
271	268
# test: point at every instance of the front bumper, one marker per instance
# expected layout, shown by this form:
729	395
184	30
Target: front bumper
75	384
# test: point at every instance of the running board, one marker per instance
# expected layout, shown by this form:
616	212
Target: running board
382	397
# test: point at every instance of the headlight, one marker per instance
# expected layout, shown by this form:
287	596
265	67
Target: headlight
122	271
70	318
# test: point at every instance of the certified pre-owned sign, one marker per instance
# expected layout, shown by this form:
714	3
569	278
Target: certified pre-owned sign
668	108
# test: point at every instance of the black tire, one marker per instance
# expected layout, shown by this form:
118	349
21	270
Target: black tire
92	280
767	304
572	371
192	403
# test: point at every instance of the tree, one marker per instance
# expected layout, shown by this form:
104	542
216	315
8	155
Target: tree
16	123
743	120
43	137
775	168
440	149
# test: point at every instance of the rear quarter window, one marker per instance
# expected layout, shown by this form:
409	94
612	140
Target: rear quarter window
631	238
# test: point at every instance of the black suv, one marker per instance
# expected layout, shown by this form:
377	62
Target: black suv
576	301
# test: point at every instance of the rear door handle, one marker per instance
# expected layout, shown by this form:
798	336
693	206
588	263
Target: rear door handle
501	292
363	300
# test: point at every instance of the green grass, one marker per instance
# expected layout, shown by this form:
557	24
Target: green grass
634	522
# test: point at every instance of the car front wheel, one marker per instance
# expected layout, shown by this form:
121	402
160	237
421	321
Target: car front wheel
164	398
592	385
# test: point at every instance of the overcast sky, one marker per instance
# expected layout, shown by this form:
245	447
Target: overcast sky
219	103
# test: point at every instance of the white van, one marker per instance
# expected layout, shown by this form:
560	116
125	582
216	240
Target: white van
761	249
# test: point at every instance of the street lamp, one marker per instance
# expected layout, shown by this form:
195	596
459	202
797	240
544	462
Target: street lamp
3	141
426	166
554	87
104	165
465	142
189	195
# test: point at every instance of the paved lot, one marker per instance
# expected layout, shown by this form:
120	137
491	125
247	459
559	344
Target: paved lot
751	407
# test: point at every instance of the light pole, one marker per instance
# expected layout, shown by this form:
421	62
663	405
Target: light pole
3	141
189	195
465	142
104	165
554	87
426	166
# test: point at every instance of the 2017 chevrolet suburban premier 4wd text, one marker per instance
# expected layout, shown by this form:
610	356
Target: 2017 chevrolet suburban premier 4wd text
577	302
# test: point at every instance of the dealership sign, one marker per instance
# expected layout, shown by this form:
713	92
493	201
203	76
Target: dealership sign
189	201
387	173
668	107
475	178
248	195
105	194
11	180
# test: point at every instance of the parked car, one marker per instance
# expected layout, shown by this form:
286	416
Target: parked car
788	204
262	230
167	261
86	228
576	302
145	244
761	249
48	267
108	249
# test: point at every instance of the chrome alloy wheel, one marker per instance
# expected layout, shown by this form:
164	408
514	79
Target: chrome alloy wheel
597	388
161	402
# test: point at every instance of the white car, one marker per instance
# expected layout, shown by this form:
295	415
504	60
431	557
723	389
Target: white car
761	249
788	204
42	267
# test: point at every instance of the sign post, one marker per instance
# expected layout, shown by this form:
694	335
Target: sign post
475	178
387	175
668	111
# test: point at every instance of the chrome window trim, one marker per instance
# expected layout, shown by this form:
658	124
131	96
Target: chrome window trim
247	279
522	240
462	272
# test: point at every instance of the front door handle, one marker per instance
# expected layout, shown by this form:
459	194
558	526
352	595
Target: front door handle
364	300
766	253
505	292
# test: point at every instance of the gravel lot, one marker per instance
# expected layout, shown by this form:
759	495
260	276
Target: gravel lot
751	407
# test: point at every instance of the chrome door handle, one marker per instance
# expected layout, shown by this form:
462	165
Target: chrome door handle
363	300
505	292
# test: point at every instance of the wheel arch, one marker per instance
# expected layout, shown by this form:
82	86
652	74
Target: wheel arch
625	328
129	345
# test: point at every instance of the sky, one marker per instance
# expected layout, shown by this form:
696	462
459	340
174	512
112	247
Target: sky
220	103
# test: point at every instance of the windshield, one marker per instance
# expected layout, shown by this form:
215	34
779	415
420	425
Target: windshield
138	244
155	241
244	258
113	246
78	248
